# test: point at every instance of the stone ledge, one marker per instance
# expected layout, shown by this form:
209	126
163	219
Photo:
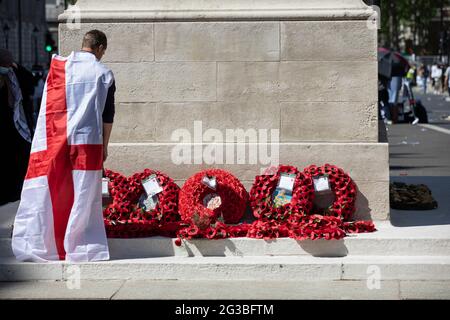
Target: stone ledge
164	10
371	165
385	242
235	268
388	241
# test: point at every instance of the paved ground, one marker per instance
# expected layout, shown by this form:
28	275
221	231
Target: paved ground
243	290
422	150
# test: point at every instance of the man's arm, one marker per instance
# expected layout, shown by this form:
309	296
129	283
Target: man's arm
108	118
107	128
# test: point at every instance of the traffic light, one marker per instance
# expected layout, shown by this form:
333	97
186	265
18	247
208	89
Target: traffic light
50	45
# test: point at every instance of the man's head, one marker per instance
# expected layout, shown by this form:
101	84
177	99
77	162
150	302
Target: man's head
95	41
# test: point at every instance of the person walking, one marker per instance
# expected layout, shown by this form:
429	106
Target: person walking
447	80
436	74
422	77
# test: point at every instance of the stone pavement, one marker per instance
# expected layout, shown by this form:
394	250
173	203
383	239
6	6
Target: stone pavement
210	289
422	150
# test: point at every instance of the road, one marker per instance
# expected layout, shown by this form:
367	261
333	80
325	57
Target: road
422	150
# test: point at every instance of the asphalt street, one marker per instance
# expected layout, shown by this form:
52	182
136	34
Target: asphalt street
422	150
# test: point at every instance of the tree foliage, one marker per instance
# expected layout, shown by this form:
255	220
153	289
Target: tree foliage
415	14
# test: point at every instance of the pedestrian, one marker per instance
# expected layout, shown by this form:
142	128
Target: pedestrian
443	85
422	77
447	80
395	86
60	213
436	74
16	127
434	68
410	75
384	111
38	91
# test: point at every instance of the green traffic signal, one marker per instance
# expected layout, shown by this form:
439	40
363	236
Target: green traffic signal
48	48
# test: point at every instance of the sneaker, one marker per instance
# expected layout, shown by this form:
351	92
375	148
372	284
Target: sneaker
416	121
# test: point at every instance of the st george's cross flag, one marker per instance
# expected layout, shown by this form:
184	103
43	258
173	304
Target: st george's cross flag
60	212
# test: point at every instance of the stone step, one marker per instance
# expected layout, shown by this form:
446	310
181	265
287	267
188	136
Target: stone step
387	241
207	289
280	268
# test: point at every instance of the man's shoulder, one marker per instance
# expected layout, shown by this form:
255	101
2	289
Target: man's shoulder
105	72
88	57
103	67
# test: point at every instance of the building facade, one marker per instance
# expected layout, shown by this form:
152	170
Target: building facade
23	29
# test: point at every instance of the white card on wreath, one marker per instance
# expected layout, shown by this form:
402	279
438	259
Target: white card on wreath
151	185
286	181
210	182
148	203
105	190
321	184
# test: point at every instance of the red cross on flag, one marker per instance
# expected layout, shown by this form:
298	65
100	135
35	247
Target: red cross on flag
60	212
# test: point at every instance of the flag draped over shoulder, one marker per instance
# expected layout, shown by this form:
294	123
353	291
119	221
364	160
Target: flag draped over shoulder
60	213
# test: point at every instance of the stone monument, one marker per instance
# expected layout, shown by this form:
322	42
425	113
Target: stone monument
304	72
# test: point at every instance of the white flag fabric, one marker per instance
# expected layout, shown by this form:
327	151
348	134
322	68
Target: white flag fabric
60	212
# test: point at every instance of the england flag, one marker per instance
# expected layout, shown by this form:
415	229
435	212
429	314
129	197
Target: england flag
60	212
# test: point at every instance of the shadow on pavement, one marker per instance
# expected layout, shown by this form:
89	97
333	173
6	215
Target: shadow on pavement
411	167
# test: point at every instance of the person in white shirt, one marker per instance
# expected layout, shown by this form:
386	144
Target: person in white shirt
436	74
447	79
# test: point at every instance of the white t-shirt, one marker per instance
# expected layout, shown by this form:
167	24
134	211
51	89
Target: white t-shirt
436	72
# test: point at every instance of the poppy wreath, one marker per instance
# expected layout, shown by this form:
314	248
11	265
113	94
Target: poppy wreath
117	212
299	219
342	186
316	227
230	196
125	218
261	200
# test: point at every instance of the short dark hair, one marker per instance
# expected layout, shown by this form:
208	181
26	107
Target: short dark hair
93	39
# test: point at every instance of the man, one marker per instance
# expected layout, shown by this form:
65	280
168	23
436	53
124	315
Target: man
426	75
394	88
447	79
16	125
436	74
60	214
